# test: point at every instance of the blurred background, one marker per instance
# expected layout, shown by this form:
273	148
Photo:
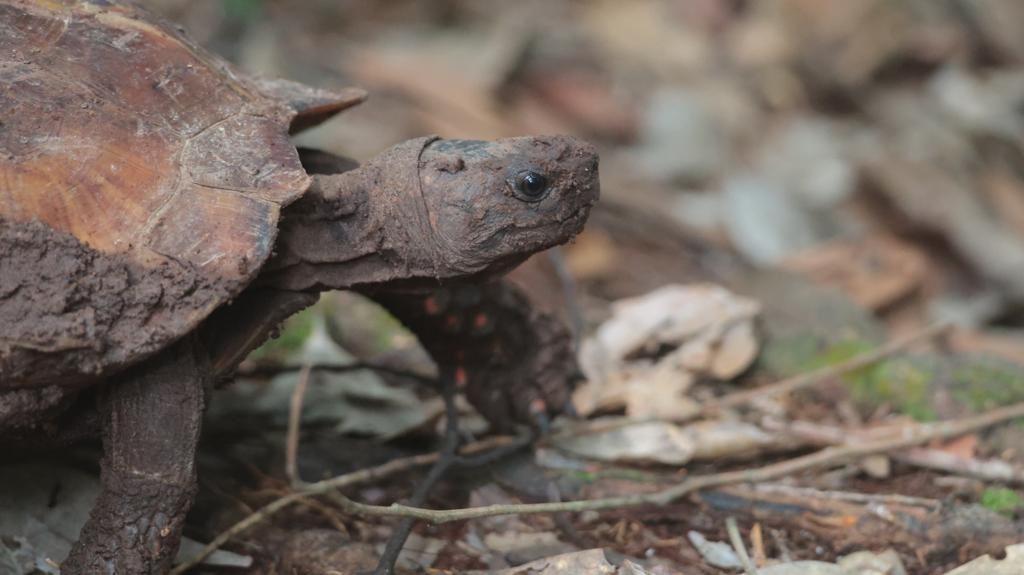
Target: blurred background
873	146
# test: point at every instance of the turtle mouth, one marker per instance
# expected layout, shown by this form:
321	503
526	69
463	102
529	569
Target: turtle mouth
419	285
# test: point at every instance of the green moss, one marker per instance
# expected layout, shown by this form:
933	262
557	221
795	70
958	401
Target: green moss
1001	500
804	353
897	381
984	384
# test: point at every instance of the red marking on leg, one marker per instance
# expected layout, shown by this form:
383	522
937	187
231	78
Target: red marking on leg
431	306
538	406
461	379
480	321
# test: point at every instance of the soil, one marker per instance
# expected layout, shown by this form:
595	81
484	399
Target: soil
72	315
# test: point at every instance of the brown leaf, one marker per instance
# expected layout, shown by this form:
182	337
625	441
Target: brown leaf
875	271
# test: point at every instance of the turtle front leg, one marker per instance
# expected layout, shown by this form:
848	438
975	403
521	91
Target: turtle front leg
515	363
151	420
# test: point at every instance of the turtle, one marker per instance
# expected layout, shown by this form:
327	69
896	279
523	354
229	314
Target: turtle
157	223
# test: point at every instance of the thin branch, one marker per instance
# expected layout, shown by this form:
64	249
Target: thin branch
924	457
995	470
910	437
810	494
814	377
369	474
736	540
291	452
449	450
913	435
757	543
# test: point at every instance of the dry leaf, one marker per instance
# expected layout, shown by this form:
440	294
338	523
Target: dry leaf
709	331
651	441
875	271
661	442
1013	564
965	447
715	553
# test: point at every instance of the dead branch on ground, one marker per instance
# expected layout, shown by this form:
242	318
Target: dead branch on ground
911	436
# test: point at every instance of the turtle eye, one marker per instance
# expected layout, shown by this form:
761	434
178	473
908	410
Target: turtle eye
530	186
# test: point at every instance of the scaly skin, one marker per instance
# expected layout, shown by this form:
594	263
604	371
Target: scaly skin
151	422
515	363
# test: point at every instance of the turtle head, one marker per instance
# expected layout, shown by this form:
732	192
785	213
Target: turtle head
430	210
488	205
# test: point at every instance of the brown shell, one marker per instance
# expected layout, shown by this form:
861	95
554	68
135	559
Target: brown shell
141	180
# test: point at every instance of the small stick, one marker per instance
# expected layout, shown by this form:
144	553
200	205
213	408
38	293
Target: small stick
811	493
814	377
449	450
737	544
368	474
757	544
995	470
291	451
913	435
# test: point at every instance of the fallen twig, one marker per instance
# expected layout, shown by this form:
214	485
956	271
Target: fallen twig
448	454
736	540
479	450
757	544
814	377
291	453
876	499
995	470
913	435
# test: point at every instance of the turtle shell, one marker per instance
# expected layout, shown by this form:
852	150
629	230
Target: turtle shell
141	181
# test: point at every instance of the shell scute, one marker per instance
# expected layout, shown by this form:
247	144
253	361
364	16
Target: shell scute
133	163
